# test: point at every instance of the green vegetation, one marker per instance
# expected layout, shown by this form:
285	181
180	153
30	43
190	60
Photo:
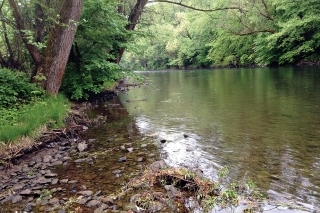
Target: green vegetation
92	63
229	33
26	119
24	107
15	89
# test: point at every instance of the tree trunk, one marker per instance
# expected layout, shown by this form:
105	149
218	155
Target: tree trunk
133	20
52	62
59	45
33	50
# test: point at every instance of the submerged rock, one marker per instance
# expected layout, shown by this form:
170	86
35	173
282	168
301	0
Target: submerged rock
163	140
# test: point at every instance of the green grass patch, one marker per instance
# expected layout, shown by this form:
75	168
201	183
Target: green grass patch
25	120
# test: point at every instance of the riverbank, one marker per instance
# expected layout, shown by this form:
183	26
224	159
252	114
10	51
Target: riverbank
49	177
117	171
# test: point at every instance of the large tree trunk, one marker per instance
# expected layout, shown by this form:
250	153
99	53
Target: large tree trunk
52	62
59	45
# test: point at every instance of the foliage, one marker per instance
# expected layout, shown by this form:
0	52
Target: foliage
90	79
172	40
297	36
100	36
15	89
259	32
24	121
231	50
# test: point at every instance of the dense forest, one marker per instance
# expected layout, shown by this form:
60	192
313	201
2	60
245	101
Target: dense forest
233	33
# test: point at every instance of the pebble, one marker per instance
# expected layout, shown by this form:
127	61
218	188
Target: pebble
116	171
86	193
82	201
80	160
93	203
64	181
98	210
122	159
28	207
47	158
57	163
50	175
26	192
16	199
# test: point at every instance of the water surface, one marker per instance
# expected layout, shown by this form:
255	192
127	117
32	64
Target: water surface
261	123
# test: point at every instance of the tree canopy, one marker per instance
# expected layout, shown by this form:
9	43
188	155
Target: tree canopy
226	33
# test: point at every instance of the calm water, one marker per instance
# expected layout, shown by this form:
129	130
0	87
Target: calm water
261	123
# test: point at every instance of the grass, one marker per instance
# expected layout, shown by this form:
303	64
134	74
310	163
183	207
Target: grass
25	121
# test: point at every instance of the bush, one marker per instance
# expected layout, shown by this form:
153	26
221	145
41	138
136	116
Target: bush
90	79
15	89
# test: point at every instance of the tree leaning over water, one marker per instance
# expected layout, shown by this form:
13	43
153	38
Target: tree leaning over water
51	62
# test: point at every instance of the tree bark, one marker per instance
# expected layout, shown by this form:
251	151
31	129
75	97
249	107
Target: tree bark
39	22
52	62
133	20
59	45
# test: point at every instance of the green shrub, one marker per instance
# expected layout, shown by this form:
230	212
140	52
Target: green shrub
90	79
15	89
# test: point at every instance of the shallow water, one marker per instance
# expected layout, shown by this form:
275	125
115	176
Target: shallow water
261	123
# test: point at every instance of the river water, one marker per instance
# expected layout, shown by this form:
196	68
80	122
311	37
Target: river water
261	123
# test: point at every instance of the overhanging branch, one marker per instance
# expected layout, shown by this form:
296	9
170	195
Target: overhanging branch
195	8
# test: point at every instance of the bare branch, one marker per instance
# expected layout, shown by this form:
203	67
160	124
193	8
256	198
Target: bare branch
253	32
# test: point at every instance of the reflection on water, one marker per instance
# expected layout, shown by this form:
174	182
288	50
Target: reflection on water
263	123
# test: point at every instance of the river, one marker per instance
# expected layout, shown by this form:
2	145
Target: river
261	123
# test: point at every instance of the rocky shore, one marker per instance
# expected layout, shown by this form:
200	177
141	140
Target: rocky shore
72	171
39	178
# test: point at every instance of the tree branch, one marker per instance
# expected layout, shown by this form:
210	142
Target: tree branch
195	8
33	50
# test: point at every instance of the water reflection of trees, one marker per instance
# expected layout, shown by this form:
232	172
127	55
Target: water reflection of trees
268	121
